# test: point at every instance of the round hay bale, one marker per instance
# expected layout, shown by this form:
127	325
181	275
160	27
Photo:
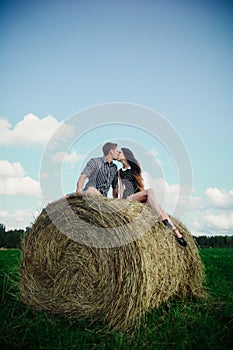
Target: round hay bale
65	268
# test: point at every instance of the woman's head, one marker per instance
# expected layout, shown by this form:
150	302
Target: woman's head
125	154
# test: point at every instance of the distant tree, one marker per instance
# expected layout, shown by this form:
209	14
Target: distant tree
215	241
2	235
13	238
2	228
202	241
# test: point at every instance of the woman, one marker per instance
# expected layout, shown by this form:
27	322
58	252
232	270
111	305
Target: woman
131	186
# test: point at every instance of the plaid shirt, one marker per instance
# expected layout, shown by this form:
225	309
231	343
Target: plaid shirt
101	175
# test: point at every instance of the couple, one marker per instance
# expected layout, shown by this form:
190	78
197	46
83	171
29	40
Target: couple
102	174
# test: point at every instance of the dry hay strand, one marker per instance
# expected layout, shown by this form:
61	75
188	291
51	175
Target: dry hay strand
135	268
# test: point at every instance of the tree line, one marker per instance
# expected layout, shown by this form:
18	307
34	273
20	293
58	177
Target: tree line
214	241
13	238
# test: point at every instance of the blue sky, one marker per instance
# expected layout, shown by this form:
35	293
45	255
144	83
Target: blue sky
60	57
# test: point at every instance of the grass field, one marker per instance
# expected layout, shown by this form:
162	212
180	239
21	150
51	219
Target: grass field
189	325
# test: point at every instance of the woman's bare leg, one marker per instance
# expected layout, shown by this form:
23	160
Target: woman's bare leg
92	191
148	197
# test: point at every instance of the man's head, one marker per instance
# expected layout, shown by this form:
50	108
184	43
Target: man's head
110	149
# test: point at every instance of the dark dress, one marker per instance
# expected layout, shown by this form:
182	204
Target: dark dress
128	182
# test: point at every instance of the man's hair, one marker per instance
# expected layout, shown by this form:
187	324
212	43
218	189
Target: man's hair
107	147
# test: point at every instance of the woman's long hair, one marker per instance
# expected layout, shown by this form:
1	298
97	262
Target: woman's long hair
135	167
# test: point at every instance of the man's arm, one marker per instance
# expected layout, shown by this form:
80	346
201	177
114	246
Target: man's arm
80	183
86	173
115	192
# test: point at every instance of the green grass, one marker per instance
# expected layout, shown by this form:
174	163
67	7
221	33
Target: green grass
189	325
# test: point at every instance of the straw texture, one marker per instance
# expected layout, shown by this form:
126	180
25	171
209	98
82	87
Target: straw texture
105	259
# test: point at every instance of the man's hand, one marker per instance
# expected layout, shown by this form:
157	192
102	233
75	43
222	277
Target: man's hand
80	183
70	195
115	193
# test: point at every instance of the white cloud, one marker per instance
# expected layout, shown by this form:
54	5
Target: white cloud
44	175
173	198
14	182
18	219
210	222
31	130
207	214
19	186
221	221
3	214
25	216
155	154
219	198
8	169
71	158
211	214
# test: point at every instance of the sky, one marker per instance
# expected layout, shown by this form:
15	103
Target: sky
59	59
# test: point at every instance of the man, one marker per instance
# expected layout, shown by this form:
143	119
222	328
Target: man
101	173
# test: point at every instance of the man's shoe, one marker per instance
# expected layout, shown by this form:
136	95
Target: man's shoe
181	241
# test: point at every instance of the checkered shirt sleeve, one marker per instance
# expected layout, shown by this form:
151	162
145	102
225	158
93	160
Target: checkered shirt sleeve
90	168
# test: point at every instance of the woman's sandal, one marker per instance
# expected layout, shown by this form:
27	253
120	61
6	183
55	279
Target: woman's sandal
181	241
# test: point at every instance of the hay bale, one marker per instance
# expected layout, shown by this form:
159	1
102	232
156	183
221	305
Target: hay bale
137	265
